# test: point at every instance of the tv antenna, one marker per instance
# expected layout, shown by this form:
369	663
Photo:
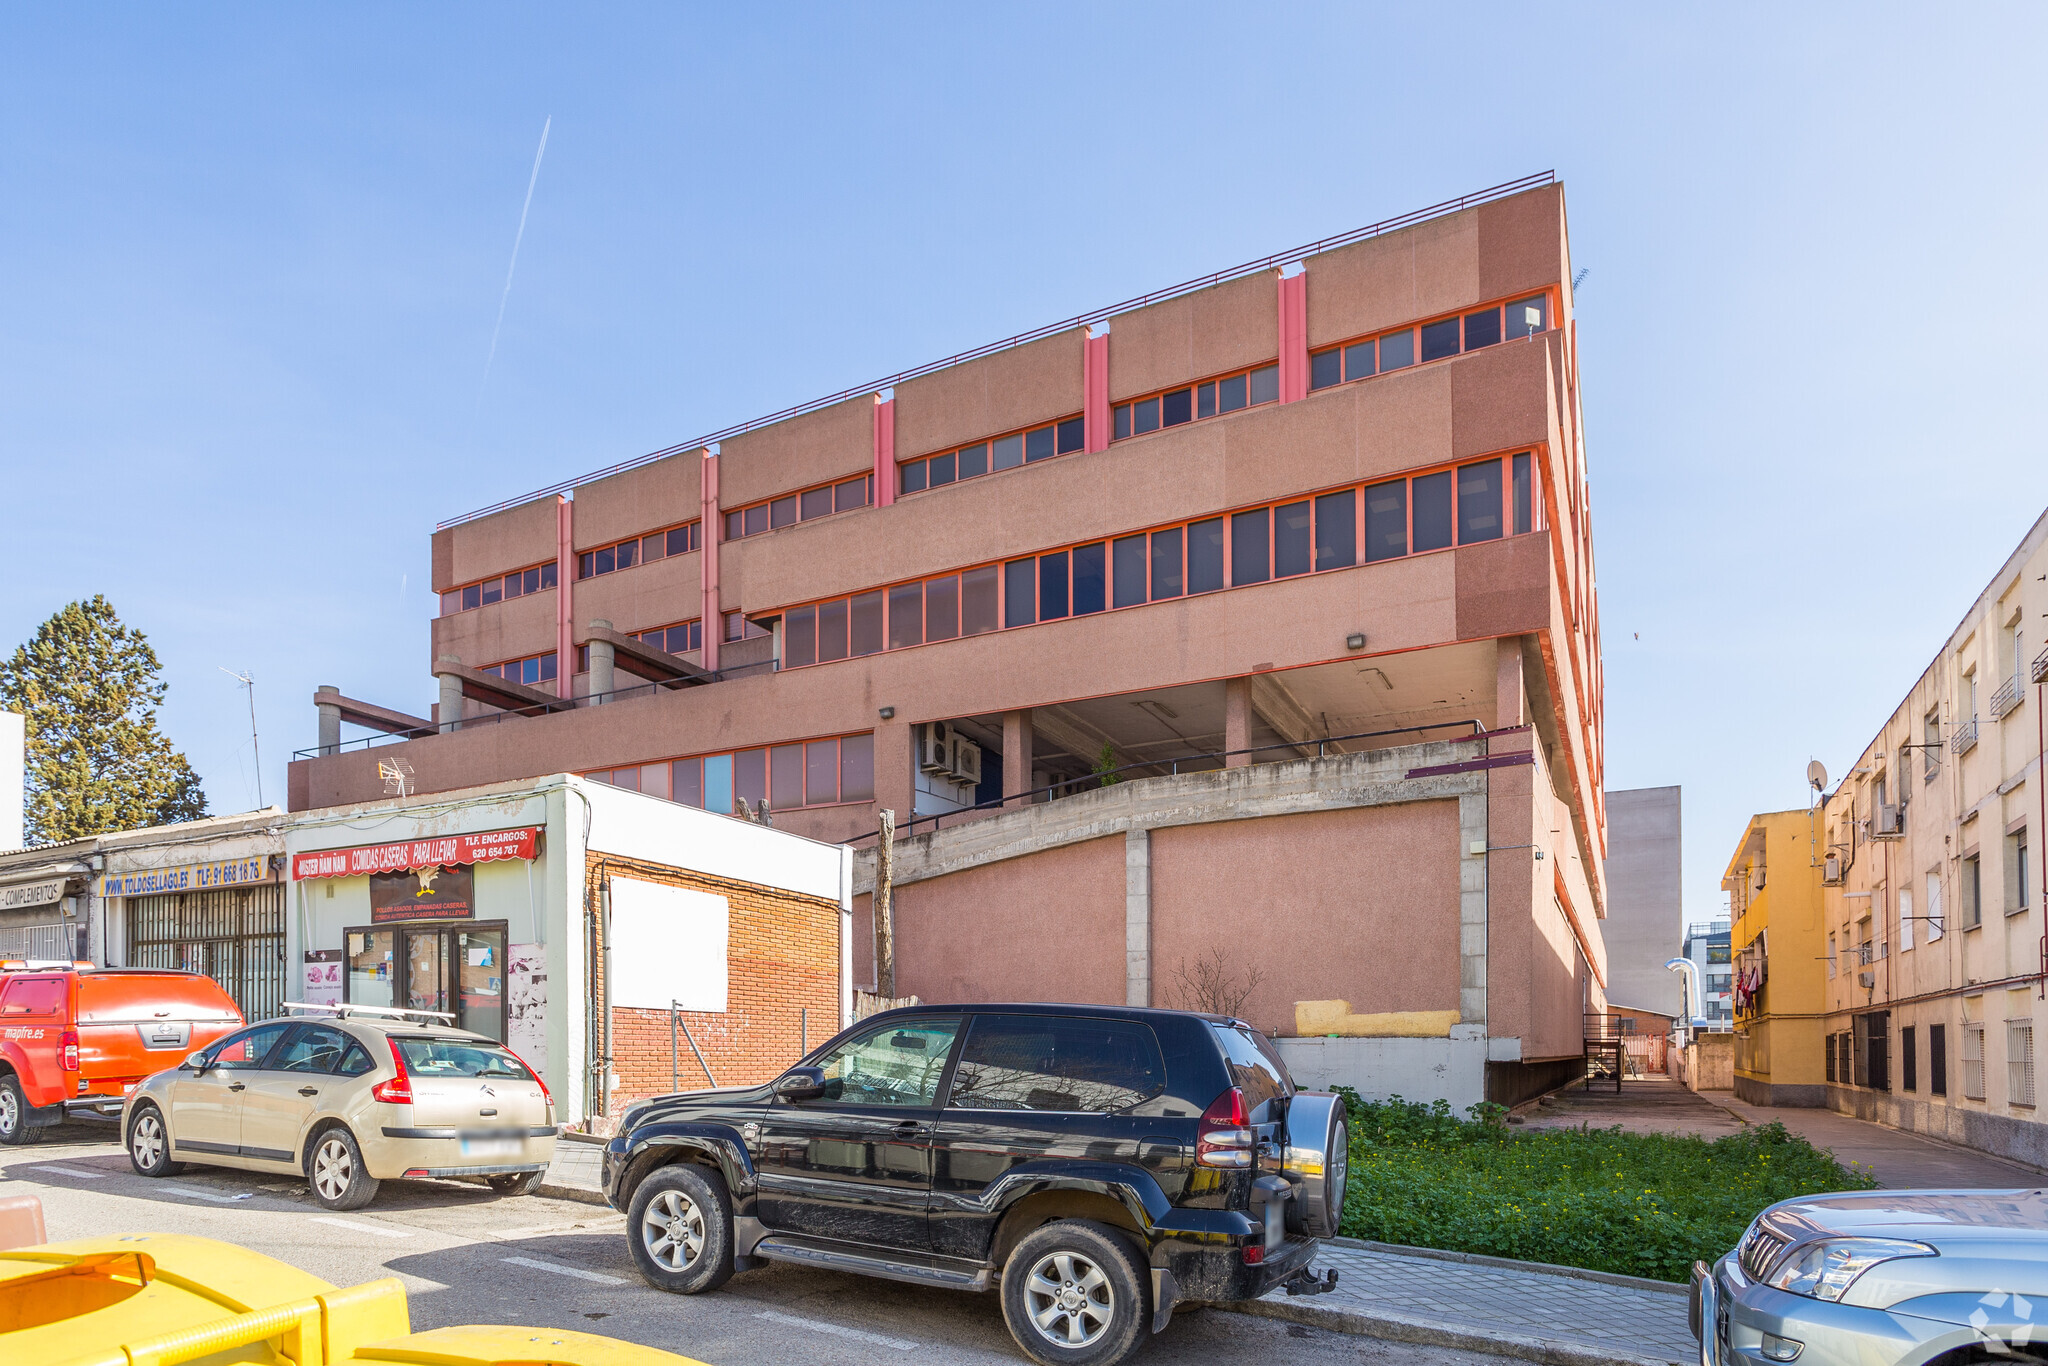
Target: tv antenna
1580	277
397	775
250	683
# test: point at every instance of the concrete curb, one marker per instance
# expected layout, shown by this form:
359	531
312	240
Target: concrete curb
1577	1273
1424	1332
582	1195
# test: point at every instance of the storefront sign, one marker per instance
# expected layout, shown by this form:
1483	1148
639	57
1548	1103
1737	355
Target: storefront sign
193	877
433	893
27	894
440	851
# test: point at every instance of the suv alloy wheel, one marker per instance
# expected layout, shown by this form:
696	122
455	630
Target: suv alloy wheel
679	1226
1075	1295
15	1129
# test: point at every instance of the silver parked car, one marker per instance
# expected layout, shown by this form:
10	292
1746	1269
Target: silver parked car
1881	1278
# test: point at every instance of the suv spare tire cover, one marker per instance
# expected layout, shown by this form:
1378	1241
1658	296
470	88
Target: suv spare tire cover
1317	1161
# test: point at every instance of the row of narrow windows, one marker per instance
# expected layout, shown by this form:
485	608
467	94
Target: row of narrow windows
1481	500
810	773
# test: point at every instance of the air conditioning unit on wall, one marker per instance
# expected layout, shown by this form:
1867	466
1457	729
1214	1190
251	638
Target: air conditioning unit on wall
935	747
966	760
1888	823
1832	872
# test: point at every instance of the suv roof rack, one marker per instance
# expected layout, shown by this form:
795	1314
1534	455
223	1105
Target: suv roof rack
46	965
345	1009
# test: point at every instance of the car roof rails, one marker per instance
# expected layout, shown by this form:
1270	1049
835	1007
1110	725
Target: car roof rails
46	965
345	1009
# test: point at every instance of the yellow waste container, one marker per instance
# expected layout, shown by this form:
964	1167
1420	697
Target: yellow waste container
162	1299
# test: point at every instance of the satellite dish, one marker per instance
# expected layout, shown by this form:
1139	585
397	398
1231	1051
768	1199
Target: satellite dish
1817	775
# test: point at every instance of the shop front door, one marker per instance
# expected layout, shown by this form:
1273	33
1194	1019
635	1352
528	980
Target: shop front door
451	969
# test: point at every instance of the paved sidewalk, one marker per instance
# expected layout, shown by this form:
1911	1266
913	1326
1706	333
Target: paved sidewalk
576	1173
1645	1105
1510	1309
1897	1159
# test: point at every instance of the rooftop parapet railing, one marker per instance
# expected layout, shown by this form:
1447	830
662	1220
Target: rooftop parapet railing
1449	206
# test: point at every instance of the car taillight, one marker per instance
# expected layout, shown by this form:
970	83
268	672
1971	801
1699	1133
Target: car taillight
1224	1138
546	1099
398	1090
70	1050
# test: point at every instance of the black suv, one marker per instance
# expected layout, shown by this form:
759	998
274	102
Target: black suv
1100	1163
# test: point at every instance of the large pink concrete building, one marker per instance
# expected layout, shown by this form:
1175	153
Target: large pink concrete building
1301	550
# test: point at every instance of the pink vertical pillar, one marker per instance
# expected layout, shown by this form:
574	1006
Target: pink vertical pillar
885	450
565	616
1095	392
713	543
1293	336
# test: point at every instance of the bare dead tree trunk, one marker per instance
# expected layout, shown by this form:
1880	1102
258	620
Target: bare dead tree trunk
885	927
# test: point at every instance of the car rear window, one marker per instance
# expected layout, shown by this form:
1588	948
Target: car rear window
1255	1068
33	996
153	996
1055	1062
460	1058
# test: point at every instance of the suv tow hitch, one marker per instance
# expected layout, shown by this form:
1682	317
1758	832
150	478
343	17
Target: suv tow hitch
1306	1282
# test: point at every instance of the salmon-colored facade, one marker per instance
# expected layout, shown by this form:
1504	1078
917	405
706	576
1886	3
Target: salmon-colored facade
1330	507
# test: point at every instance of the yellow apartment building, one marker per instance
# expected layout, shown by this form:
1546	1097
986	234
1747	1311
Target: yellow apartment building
1778	956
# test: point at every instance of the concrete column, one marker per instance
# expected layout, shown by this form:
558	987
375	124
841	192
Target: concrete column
1472	898
1507	683
1237	720
1016	754
603	661
450	715
330	718
1138	917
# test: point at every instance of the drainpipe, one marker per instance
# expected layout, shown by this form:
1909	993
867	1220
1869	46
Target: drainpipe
604	900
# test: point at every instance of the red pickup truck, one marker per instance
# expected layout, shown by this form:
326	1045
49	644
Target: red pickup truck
74	1038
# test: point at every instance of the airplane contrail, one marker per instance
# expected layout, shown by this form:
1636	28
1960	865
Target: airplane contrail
518	237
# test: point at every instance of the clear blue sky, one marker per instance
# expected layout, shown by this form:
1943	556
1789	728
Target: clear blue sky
250	258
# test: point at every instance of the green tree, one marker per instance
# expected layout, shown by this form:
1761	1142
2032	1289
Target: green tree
90	688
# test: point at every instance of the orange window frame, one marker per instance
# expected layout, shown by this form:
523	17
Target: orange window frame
587	561
1123	416
1344	349
1059	431
806	750
735	519
539	570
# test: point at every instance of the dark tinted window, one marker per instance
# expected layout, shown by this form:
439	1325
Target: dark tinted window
1440	339
1397	351
1336	530
1043	1062
1020	589
912	477
1230	394
1526	317
973	461
867	623
941	470
1166	580
1266	384
1205	401
1482	329
1255	1068
893	1064
978	601
1479	502
1073	434
1386	521
1937	1060
782	512
1325	368
1432	511
1358	360
355	1062
1052	586
1091	578
1524	516
1130	571
1177	407
1039	445
832	630
1145	416
1248	551
906	615
815	503
1291	539
1205	556
314	1048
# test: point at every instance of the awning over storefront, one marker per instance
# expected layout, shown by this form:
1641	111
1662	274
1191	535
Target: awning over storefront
440	850
190	877
39	886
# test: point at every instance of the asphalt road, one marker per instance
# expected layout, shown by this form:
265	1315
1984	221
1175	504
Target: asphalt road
468	1256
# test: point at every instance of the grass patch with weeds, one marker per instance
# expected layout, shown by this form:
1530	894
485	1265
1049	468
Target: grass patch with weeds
1602	1199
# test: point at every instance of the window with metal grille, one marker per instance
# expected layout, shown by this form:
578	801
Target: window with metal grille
1909	1061
1937	1060
234	935
1831	1057
2019	1062
1973	1062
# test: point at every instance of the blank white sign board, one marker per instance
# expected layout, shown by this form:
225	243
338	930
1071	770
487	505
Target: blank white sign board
668	943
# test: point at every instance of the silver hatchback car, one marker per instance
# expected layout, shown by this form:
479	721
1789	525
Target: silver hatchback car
347	1099
1881	1278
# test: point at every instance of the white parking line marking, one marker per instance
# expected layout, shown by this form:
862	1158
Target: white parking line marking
205	1195
577	1272
838	1331
363	1228
72	1171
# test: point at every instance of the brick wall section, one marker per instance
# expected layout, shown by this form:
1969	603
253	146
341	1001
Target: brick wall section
783	957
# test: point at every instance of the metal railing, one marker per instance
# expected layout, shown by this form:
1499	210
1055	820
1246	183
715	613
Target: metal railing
2039	672
1965	738
2007	697
1092	782
1448	206
566	704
